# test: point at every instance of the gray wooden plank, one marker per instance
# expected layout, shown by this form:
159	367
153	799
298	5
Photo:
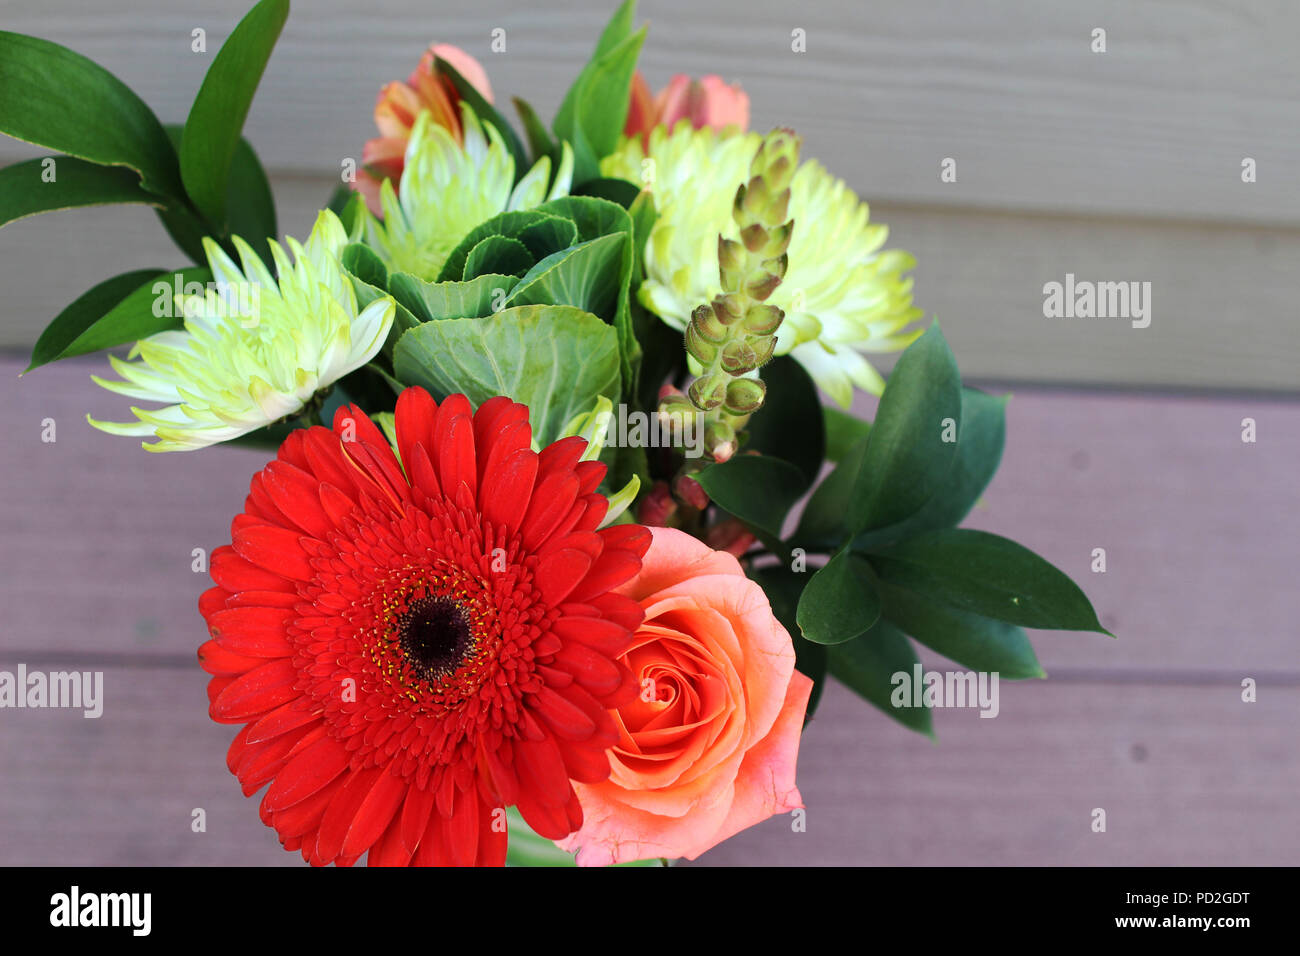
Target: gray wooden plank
1158	125
1223	298
1186	774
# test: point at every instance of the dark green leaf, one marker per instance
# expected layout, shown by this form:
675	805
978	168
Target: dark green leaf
539	139
824	516
216	118
594	110
987	575
789	425
757	489
250	205
840	601
498	255
363	262
868	667
514	223
843	431
124	309
25	191
614	190
979	449
907	458
58	99
432	301
976	642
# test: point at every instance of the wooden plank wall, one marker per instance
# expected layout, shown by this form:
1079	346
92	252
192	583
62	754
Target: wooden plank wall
1115	166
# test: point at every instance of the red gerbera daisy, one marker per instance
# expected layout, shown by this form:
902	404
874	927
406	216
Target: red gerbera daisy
413	646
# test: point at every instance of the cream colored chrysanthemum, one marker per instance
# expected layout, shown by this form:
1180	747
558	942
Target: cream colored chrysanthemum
843	294
447	189
253	350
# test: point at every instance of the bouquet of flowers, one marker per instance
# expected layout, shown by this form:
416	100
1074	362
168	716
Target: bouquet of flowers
559	540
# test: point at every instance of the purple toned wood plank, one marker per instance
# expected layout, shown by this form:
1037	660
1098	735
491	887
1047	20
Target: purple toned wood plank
1186	774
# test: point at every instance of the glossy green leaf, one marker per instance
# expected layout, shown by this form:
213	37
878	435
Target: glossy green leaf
123	309
987	575
250	205
823	520
364	263
868	667
979	450
594	110
908	456
555	359
58	99
757	489
212	130
980	643
840	601
26	188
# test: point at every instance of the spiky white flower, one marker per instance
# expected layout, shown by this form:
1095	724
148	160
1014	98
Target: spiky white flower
253	349
447	189
843	294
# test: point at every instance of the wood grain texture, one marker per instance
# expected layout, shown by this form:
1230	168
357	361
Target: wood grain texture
1157	125
1186	774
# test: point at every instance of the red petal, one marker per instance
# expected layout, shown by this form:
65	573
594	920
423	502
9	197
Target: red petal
253	631
275	549
462	831
567	720
610	570
601	635
235	574
297	495
560	572
414	416
220	662
342	812
456	461
553	496
310	770
375	813
507	488
280	721
415	817
258	691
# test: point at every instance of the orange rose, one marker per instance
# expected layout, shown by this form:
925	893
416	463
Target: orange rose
399	105
710	745
706	102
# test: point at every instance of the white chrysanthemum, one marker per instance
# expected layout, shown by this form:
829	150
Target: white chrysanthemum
253	350
843	295
447	189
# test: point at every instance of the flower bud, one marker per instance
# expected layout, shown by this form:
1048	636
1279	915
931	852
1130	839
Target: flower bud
761	284
709	392
690	492
720	440
728	308
763	318
657	506
745	396
700	348
763	346
731	536
706	324
739	357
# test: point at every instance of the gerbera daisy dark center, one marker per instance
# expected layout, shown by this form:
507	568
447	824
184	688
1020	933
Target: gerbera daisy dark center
435	636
